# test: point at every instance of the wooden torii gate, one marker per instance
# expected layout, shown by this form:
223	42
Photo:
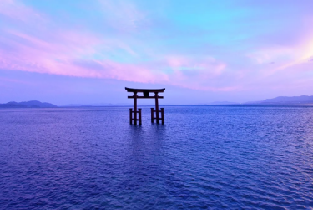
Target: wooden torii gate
146	96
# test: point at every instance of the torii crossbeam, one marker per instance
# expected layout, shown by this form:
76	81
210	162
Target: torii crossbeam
146	95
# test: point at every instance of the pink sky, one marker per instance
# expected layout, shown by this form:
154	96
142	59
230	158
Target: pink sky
212	51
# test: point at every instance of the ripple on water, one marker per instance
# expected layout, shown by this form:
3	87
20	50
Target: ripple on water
233	157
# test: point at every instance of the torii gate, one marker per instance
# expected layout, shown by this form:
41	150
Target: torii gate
146	95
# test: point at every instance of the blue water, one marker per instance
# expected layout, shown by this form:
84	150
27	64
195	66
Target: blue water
204	157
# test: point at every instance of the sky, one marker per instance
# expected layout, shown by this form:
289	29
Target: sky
201	51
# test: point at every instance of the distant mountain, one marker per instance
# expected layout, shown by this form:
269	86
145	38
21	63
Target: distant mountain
27	104
284	100
223	103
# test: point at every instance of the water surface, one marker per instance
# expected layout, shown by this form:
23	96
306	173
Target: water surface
204	157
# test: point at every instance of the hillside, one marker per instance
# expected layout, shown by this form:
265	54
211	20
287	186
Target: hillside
27	104
284	100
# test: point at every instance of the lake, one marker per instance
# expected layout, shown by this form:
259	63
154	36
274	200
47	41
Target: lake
204	157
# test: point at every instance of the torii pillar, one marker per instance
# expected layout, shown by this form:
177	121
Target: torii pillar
146	95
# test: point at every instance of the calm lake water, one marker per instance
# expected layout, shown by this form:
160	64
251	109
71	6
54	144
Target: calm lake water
204	157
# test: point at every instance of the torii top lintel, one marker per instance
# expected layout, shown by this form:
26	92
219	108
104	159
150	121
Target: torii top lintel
145	93
144	90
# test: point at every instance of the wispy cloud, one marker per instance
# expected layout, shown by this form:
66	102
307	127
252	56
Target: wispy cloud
16	10
123	15
132	41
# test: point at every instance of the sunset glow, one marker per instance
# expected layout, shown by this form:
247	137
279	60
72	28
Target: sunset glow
216	50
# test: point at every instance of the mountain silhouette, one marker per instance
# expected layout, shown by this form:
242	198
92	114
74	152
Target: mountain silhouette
284	100
27	104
